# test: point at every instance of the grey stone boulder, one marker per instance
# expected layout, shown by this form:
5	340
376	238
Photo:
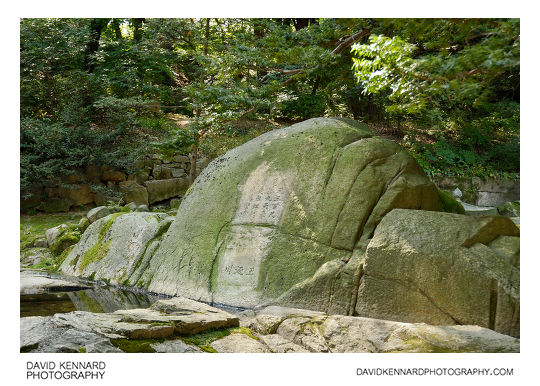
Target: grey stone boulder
159	190
117	248
142	208
97	213
52	234
442	269
268	214
41	242
131	206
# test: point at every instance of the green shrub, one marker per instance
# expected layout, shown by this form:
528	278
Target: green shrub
304	106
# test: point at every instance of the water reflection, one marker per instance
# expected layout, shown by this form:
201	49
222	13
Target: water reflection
98	299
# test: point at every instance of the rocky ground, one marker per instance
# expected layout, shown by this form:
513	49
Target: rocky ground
181	325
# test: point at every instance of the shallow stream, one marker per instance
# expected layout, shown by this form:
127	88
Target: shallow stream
97	299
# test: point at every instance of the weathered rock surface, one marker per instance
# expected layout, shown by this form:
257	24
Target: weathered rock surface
117	248
159	190
42	334
239	343
175	346
297	330
186	316
268	214
35	282
92	331
302	330
442	268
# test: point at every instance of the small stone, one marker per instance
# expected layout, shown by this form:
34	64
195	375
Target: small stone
132	206
41	243
52	234
112	175
175	202
181	159
457	193
142	208
83	224
161	172
97	213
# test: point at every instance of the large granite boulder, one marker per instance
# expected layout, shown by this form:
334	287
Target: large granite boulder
268	214
422	266
442	268
117	248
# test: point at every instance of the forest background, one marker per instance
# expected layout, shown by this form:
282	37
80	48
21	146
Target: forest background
105	91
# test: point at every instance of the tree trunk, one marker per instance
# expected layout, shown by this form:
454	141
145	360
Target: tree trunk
116	27
206	36
96	26
137	31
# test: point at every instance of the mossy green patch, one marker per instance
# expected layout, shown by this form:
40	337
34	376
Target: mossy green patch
66	240
107	225
135	346
245	331
82	349
29	348
94	254
204	339
32	227
449	203
63	256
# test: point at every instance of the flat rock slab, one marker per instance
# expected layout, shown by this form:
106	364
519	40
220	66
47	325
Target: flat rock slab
473	210
42	334
302	331
165	320
175	346
238	343
185	316
37	282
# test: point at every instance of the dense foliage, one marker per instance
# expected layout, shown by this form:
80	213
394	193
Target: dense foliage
96	91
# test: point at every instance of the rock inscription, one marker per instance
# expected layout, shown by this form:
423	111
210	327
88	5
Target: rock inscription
264	196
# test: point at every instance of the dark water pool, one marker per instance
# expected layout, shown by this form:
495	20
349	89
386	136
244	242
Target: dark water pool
98	299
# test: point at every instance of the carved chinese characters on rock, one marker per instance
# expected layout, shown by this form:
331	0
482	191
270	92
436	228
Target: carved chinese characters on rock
264	196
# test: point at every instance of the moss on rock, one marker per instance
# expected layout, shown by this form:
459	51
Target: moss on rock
449	203
94	254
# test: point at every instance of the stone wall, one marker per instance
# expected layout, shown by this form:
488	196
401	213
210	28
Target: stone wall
156	179
477	191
